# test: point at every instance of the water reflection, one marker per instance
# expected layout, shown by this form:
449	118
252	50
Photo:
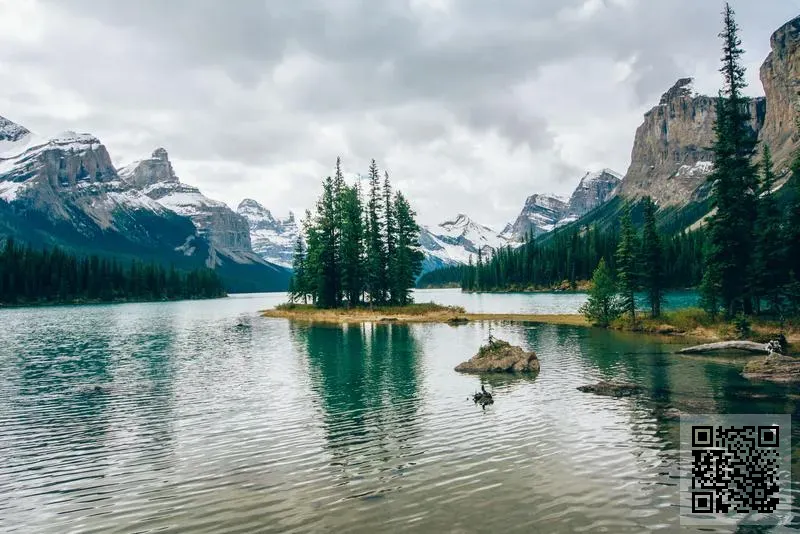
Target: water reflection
366	380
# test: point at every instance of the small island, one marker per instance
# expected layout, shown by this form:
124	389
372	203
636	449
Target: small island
499	356
411	313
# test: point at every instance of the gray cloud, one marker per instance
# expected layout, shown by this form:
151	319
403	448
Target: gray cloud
472	105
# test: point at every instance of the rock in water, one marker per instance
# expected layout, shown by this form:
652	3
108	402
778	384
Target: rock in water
612	388
775	368
501	357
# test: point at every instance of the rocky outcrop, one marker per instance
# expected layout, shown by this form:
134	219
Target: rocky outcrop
148	172
12	135
671	154
612	388
540	214
65	191
501	357
780	76
775	368
227	232
69	180
272	238
594	189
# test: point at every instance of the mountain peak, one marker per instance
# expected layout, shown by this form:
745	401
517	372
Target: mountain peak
682	88
11	131
147	172
160	154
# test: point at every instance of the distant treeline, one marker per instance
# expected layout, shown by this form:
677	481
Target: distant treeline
49	276
569	255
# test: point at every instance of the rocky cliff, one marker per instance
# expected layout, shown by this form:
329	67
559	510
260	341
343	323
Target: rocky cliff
543	213
272	238
780	76
69	181
593	190
65	191
227	232
671	154
540	214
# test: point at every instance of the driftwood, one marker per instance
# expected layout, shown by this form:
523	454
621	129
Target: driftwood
724	346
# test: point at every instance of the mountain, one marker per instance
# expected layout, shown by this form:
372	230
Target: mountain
454	241
671	155
543	213
227	231
540	214
272	238
65	191
594	189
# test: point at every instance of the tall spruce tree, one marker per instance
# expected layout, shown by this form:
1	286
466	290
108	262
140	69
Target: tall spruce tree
390	238
734	184
299	285
407	258
352	246
375	251
627	264
652	258
312	263
769	262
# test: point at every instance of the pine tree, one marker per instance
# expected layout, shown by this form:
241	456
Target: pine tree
734	185
352	246
327	267
390	238
627	264
652	257
312	264
375	252
407	258
769	265
603	305
299	282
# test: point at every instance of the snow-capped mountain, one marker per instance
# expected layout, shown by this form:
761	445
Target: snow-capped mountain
228	232
540	214
454	241
594	189
272	238
543	213
64	190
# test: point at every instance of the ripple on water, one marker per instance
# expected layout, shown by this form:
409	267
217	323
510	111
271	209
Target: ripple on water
210	419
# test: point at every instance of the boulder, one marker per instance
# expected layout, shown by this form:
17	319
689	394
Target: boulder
612	388
775	368
499	356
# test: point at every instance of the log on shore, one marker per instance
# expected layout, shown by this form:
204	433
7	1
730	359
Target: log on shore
726	346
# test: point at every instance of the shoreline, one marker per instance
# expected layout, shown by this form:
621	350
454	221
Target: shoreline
355	316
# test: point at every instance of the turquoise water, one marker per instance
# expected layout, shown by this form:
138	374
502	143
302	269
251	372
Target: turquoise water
213	419
545	303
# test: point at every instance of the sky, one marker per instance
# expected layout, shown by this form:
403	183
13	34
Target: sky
470	105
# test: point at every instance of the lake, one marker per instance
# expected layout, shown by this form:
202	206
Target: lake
210	418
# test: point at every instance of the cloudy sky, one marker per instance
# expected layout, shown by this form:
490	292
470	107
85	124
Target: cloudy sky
471	105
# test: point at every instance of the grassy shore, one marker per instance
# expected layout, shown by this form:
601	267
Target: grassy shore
413	313
695	322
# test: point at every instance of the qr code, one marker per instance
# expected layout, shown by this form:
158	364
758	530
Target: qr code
735	469
738	465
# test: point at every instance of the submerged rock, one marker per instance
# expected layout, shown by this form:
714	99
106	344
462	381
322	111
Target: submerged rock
499	356
612	388
775	368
